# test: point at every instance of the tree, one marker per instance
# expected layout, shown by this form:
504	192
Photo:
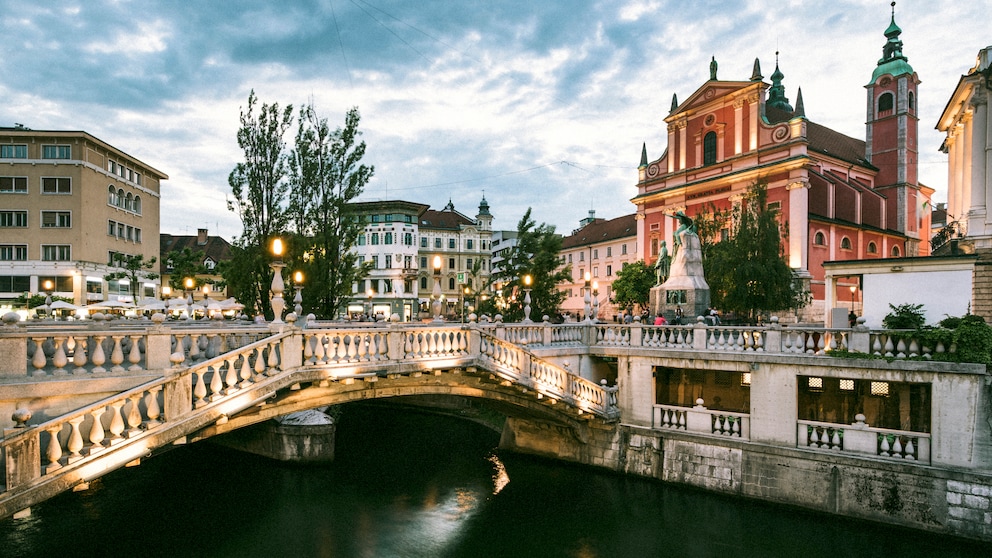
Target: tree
535	254
184	263
633	284
747	273
259	195
326	174
133	268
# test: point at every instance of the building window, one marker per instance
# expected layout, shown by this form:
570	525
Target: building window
912	101
136	205
375	262
895	251
609	271
468	263
56	219
13	219
468	244
451	283
423	242
595	253
437	242
375	239
872	248
13	151
361	239
595	271
94	287
13	185
819	239
56	152
582	256
609	251
56	252
13	252
423	283
845	243
451	263
569	258
14	283
885	102
423	262
408	239
387	238
709	148
451	243
623	249
389	261
56	186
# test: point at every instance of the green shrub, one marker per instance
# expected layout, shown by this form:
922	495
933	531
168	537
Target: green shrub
905	316
974	341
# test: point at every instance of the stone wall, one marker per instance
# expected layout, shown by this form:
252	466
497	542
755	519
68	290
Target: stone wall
944	501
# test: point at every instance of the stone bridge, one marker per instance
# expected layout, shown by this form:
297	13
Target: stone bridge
761	412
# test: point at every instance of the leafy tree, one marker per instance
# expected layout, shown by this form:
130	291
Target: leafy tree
633	284
748	273
135	269
535	254
325	173
185	263
259	195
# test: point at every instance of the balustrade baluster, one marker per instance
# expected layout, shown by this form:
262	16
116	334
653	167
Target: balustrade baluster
814	436
897	447
835	441
876	347
735	427
216	383
273	360
117	355
53	453
59	360
901	348
682	420
134	356
259	364
319	353
884	449
152	408
245	370
231	375
194	347
199	389
39	360
308	359
116	421
79	357
910	449
179	355
96	431
134	415
889	347
75	442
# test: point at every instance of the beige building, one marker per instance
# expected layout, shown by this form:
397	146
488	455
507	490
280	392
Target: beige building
600	247
68	203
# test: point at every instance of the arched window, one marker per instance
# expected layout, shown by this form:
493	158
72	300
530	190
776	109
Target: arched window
819	239
423	283
120	198
895	251
885	102
845	243
709	148
137	205
872	248
451	284
111	195
912	101
128	201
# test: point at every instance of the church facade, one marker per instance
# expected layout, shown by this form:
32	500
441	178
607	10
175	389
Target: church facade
838	197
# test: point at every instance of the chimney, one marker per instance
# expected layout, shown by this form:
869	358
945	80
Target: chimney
201	237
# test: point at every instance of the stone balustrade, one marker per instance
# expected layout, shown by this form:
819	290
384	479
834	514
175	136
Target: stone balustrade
700	420
861	439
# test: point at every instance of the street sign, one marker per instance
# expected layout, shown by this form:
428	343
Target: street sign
461	278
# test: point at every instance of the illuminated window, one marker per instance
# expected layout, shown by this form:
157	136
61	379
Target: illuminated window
814	384
746	379
880	388
847	385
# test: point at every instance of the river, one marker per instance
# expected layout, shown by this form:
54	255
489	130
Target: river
407	484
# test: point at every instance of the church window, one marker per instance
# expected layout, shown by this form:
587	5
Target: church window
912	101
885	103
895	251
845	243
872	248
819	239
709	148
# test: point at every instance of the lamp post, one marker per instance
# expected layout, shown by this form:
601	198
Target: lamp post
298	299
188	291
595	301
166	294
436	294
278	304
48	286
466	291
527	281
587	299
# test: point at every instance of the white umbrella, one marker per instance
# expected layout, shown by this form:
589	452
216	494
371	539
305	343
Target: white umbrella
63	305
109	304
153	305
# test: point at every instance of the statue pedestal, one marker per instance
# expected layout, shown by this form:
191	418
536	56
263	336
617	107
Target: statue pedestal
685	287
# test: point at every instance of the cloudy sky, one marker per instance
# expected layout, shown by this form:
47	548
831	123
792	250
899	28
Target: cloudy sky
533	104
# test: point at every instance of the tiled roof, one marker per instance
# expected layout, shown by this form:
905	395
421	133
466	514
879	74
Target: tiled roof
824	140
444	220
216	248
602	230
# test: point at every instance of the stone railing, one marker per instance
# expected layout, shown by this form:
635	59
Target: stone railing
903	344
700	420
519	366
859	438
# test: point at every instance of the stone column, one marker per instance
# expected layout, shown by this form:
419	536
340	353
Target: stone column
798	224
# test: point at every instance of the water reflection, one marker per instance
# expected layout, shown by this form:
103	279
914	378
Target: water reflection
412	485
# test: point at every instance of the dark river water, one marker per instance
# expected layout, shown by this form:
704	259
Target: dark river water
407	484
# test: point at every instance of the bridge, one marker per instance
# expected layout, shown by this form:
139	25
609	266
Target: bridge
84	399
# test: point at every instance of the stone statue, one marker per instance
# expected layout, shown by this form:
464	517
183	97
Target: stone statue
713	68
685	225
663	265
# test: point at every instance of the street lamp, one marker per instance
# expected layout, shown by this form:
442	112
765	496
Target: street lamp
527	281
466	292
587	299
278	304
595	300
166	293
48	286
436	294
298	299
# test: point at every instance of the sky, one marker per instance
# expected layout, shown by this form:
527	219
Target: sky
530	104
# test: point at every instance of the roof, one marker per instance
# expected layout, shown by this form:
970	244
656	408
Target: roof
447	219
602	230
23	131
215	248
824	140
